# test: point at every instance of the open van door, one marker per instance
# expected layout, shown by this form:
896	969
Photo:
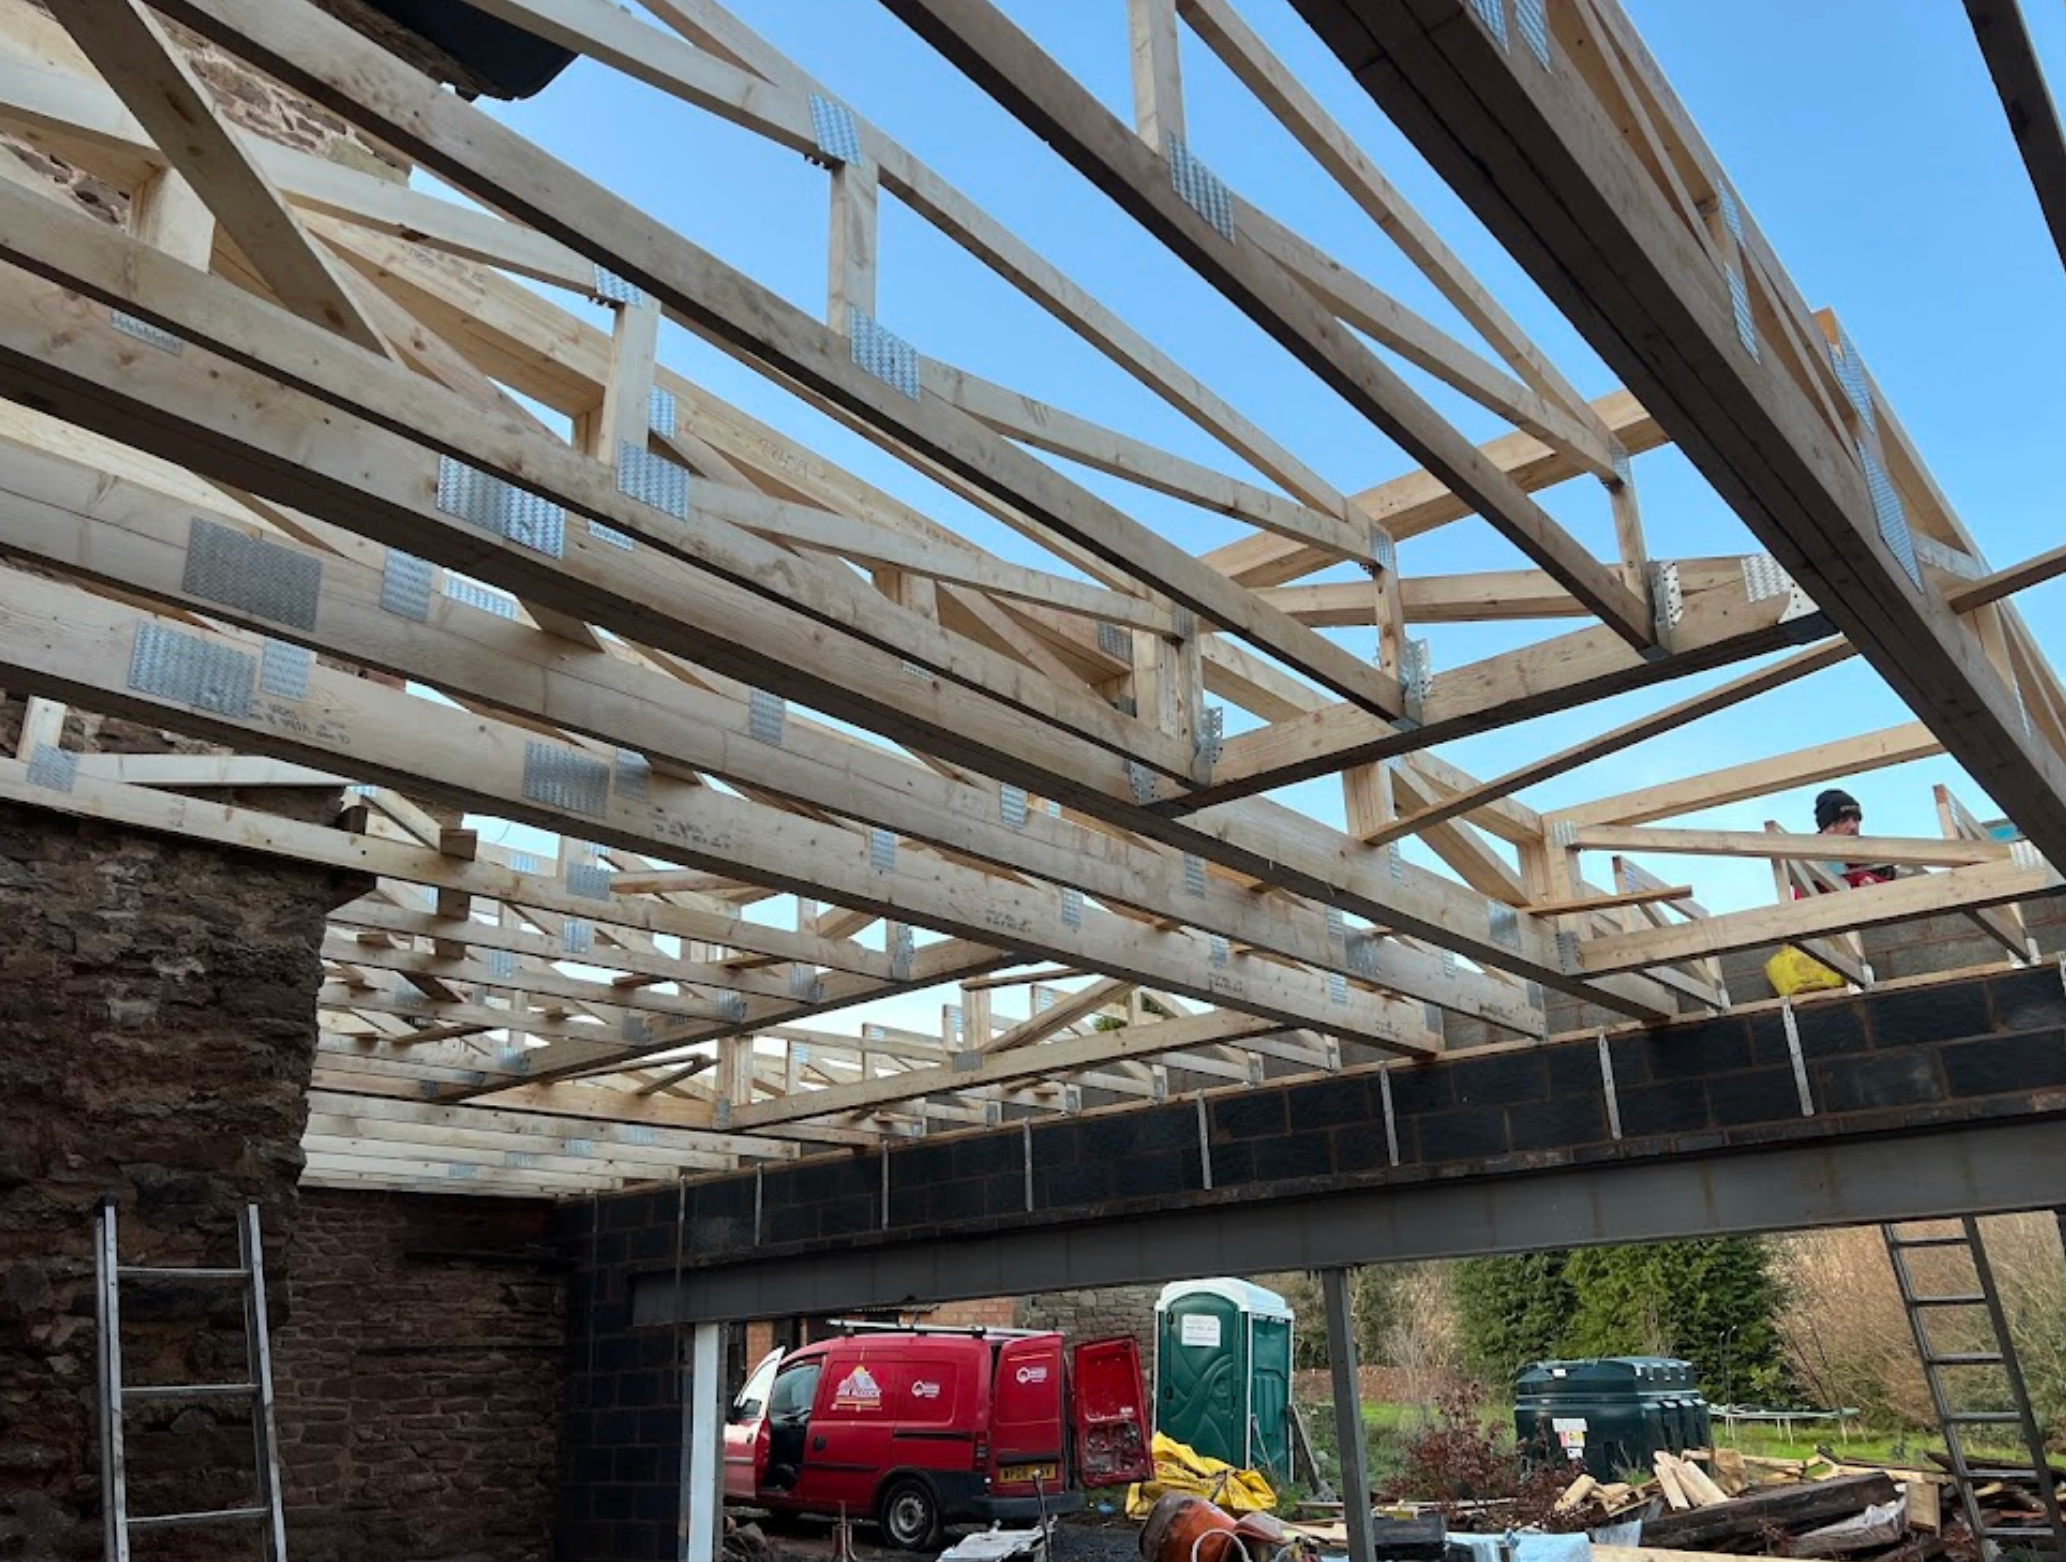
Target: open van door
1109	1414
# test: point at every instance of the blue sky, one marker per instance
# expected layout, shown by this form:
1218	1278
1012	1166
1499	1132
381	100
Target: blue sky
1863	135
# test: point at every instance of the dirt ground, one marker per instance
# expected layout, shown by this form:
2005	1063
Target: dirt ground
1081	1537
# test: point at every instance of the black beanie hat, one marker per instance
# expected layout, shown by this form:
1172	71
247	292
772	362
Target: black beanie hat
1832	805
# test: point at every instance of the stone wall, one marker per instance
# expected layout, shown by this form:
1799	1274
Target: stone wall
420	1378
157	1004
249	99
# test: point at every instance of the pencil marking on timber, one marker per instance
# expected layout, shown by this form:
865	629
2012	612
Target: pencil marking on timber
276	582
191	671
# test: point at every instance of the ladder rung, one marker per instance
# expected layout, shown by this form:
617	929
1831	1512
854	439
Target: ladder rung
1973	1300
1965	1358
2017	1532
1957	1241
191	1391
181	1520
1983	1418
146	1272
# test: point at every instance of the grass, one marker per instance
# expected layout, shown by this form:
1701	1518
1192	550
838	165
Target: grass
1397	1422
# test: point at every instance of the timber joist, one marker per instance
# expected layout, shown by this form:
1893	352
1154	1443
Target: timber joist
275	481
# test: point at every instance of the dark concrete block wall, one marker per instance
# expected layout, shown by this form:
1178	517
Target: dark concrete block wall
622	1435
420	1378
1899	1059
157	1004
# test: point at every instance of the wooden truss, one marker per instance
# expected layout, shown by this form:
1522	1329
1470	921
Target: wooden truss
377	490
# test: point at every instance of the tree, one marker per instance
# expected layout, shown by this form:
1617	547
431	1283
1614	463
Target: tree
1714	1303
1511	1311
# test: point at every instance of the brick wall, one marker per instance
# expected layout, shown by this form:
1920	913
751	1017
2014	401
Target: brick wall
420	1378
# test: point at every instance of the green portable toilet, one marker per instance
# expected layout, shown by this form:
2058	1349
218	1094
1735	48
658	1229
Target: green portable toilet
1223	1373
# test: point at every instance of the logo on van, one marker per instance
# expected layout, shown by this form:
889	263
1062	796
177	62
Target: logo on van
858	1390
1032	1374
924	1390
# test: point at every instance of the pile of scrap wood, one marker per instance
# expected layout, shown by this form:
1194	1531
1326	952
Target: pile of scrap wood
1723	1502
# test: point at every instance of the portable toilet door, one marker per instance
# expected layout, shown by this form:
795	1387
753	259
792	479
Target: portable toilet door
1269	1393
1223	1372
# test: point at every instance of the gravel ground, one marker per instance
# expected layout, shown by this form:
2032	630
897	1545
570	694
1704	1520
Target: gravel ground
1083	1537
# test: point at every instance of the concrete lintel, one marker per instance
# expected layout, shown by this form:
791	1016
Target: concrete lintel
1985	1168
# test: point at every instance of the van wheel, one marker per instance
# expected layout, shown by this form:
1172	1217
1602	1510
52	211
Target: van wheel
911	1516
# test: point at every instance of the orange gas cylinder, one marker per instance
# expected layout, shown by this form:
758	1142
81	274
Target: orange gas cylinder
1184	1527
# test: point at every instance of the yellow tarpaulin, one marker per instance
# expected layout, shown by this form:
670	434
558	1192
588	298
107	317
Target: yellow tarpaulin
1181	1468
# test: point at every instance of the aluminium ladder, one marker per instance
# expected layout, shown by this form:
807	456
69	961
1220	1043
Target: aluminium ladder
1966	1475
115	1396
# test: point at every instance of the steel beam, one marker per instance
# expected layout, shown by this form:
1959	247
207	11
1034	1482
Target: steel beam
1995	1168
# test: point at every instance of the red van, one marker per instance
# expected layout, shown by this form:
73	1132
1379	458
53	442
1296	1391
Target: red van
923	1428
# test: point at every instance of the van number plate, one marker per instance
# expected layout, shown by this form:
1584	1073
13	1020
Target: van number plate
1028	1472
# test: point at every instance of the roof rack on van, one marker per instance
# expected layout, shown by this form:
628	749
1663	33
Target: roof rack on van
971	1331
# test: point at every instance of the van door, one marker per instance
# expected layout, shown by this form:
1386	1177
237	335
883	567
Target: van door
1108	1412
850	1431
1026	1425
786	1429
743	1428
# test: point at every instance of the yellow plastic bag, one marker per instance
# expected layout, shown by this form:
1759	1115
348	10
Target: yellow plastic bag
1796	971
1179	1467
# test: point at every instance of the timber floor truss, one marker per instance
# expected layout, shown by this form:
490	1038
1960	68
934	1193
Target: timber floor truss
276	475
